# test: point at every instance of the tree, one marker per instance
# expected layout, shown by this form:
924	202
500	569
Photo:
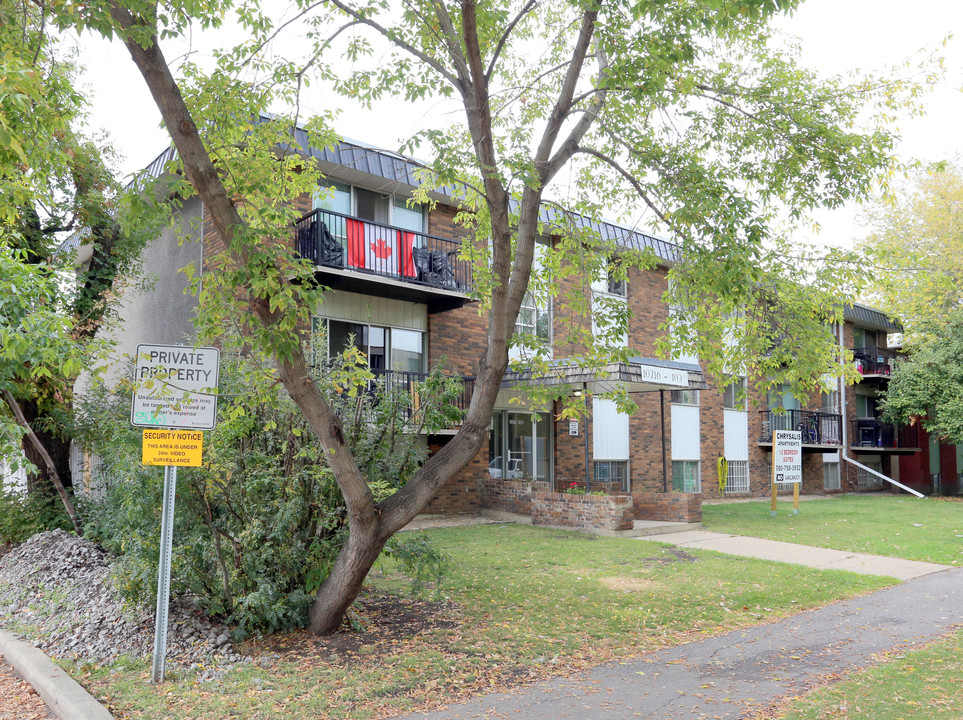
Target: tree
53	181
685	106
927	387
916	244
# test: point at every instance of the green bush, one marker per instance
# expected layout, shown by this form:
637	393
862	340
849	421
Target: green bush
258	526
24	514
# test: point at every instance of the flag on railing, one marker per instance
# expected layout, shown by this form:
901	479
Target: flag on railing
378	248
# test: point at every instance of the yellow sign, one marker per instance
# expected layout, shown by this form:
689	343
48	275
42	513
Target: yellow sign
172	447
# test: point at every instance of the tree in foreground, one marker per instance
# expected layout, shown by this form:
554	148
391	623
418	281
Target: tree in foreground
684	109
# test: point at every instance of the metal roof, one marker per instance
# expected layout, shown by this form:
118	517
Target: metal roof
868	317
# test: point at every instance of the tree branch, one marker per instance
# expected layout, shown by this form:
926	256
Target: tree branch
48	461
504	38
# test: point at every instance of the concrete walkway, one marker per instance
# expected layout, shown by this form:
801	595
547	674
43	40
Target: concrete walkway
732	675
813	557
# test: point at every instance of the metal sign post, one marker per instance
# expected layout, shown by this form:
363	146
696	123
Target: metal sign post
164	575
174	387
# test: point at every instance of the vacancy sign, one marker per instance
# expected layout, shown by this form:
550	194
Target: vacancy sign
787	456
175	387
173	447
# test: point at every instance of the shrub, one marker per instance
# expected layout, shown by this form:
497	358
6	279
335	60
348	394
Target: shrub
258	526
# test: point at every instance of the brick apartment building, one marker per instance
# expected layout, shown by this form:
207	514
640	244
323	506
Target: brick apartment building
399	288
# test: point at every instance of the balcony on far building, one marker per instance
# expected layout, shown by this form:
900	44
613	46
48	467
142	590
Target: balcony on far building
819	429
874	362
872	436
370	258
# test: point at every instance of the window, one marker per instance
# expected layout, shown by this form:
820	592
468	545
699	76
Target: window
612	471
534	320
616	285
734	397
520	445
386	348
336	197
407	217
738	479
365	204
866	406
863	338
830	402
685	397
867	480
831	479
780	396
685	476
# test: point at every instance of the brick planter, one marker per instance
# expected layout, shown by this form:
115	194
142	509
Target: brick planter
584	512
512	496
668	507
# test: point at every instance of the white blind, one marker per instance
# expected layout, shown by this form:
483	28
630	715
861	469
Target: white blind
736	434
610	431
686	444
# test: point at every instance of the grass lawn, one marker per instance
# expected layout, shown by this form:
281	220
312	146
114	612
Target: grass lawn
919	684
520	603
896	525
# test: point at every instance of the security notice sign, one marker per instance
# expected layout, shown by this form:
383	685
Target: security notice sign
175	387
173	447
787	456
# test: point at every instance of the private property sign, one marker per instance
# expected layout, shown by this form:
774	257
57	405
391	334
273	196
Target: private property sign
175	387
787	456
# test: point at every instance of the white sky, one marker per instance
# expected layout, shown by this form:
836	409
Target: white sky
837	36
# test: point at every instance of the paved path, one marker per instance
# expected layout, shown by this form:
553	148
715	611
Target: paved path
814	557
724	676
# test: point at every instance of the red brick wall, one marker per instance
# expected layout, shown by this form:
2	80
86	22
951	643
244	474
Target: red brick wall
603	512
668	507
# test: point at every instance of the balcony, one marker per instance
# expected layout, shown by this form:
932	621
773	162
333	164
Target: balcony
369	258
410	383
871	435
873	362
818	428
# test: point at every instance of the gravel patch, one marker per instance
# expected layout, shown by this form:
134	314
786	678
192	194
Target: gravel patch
55	587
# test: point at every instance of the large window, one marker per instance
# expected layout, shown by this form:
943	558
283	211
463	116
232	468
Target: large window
365	204
386	348
520	445
685	476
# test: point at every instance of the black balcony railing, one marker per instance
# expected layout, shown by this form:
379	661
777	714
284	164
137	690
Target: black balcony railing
871	432
818	428
333	240
874	361
410	383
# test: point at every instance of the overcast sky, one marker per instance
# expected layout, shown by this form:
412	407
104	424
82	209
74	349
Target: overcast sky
836	36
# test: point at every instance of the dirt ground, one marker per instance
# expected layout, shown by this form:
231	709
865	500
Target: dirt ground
19	701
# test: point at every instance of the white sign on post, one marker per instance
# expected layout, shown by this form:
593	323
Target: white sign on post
175	387
787	456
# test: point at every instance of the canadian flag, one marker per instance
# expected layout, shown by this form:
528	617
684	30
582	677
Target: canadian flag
380	249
